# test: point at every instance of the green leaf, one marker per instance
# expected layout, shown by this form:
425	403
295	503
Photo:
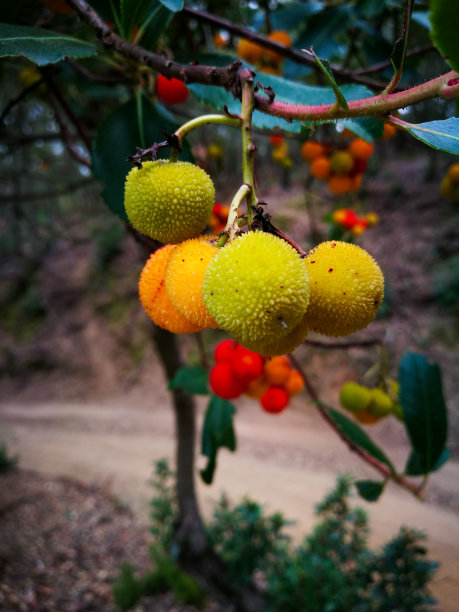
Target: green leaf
356	434
444	17
192	379
442	135
414	465
367	128
321	30
370	489
290	17
40	46
118	138
424	408
173	5
286	91
327	71
217	432
133	12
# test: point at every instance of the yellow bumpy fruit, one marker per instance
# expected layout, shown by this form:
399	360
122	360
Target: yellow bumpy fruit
347	288
154	298
380	403
256	288
354	397
184	276
169	202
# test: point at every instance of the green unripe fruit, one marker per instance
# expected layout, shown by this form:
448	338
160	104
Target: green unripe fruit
354	397
380	403
169	202
256	288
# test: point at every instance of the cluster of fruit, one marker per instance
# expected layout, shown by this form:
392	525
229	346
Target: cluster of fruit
239	371
264	59
218	217
449	186
257	287
171	91
280	152
349	220
342	169
371	405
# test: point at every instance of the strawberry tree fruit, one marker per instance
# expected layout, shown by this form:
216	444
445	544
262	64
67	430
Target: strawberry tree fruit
347	288
275	399
380	403
277	370
171	91
247	365
169	202
153	296
224	383
224	350
354	397
256	288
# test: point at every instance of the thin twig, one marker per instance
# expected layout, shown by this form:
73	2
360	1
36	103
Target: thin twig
343	345
374	463
387	63
24	93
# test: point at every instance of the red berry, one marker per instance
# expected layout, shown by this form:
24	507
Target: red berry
276	140
247	365
224	350
171	91
223	382
350	219
359	167
275	399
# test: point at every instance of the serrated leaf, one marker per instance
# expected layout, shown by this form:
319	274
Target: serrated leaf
192	379
444	17
414	465
217	432
424	408
367	128
173	5
356	434
40	46
118	137
442	135
370	489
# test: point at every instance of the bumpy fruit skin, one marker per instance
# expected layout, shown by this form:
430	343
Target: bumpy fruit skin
247	365
256	288
361	149
286	344
354	397
171	91
311	149
320	167
380	403
169	202
341	162
184	276
294	384
347	288
223	382
154	298
277	370
275	400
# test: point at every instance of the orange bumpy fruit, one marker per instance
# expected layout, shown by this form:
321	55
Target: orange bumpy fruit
320	167
341	162
281	37
360	148
447	188
340	184
154	298
453	174
389	131
184	276
277	370
311	149
249	51
169	202
295	383
347	288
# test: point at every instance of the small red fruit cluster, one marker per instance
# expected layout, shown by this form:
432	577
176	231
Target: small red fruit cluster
238	370
171	91
349	220
219	217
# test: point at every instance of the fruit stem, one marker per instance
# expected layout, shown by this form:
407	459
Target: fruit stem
197	122
232	225
248	148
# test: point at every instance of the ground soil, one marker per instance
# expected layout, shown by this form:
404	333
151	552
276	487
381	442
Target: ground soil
88	428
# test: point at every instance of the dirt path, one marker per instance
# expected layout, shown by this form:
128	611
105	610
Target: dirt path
113	443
